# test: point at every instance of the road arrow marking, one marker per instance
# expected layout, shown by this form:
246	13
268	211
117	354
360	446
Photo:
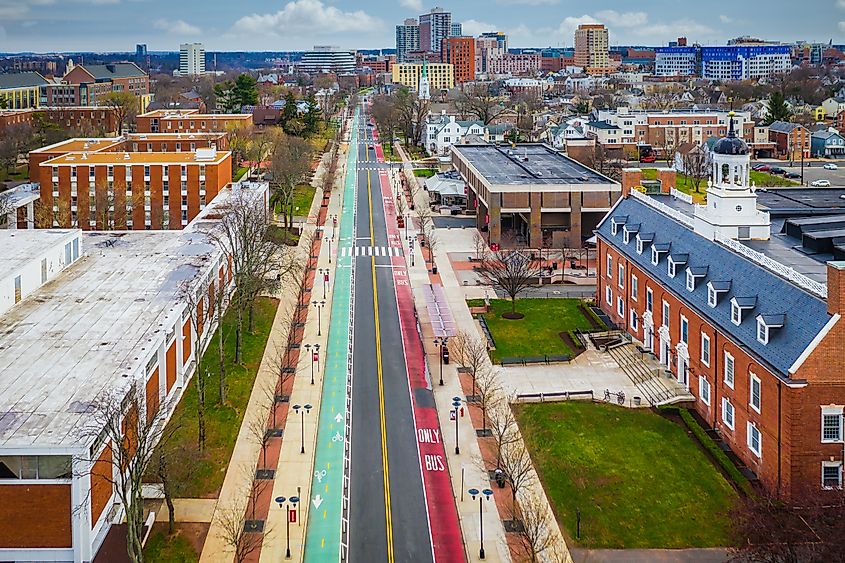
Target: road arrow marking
338	418
318	500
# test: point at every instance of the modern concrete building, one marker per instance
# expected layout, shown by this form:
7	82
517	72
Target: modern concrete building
191	60
440	76
592	49
407	39
325	58
435	26
533	194
732	62
21	90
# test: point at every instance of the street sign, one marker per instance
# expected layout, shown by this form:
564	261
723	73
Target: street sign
292	516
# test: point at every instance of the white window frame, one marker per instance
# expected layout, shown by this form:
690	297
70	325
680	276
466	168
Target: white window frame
626	236
670	267
665	312
762	331
729	359
608	295
752	379
655	256
690	280
705	358
635	287
727	406
610	266
832	411
634	320
620	307
684	321
702	385
712	297
649	300
751	428
639	245
614	227
736	314
832	465
620	275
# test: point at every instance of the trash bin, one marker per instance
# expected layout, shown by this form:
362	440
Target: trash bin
499	477
637	401
446	355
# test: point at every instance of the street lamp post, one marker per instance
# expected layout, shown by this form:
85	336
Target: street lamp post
482	495
440	342
281	501
315	357
302	410
319	305
324	273
456	403
329	240
411	248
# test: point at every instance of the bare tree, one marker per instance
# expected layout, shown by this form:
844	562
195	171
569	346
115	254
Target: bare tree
696	166
125	106
503	427
173	468
519	472
6	209
290	166
194	299
510	271
470	352
257	426
481	102
480	246
126	431
536	538
489	393
232	522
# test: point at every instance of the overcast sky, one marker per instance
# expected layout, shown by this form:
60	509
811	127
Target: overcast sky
117	25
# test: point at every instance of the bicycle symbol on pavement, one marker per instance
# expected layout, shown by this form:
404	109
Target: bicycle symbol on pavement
337	437
319	475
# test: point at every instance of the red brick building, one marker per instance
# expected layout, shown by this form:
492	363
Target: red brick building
792	140
720	302
87	85
190	121
90	119
460	53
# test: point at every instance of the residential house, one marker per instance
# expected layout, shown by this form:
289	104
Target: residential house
443	131
827	144
792	140
833	106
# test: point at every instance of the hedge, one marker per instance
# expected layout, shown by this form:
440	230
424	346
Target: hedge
736	476
592	314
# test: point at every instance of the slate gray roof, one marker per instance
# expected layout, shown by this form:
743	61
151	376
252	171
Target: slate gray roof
21	80
783	126
117	70
804	314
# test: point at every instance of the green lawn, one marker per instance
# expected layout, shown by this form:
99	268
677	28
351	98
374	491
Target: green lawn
389	154
239	173
162	548
424	172
18	173
222	421
764	179
537	334
302	198
638	479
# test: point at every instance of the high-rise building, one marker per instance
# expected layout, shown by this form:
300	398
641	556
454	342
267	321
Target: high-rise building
457	30
191	59
140	50
460	53
489	46
733	62
435	26
407	39
325	58
591	48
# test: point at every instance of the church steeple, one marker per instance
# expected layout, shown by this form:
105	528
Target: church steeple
424	88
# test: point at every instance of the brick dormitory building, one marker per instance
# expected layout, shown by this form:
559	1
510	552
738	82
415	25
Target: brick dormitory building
744	307
190	121
138	181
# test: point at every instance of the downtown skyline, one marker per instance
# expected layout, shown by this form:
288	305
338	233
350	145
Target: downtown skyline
252	25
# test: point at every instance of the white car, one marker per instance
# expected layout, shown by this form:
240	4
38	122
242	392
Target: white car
820	183
830	166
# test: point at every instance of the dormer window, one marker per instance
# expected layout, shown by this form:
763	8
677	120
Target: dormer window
712	298
628	231
740	304
693	274
642	240
616	222
657	249
676	260
690	281
714	288
767	322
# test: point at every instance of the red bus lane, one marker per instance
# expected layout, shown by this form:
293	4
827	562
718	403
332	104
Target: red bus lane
442	512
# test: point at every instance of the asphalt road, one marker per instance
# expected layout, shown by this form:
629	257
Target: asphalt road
813	171
393	526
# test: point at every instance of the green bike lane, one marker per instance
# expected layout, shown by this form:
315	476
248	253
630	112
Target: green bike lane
323	540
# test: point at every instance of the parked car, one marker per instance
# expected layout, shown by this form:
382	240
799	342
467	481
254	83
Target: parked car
830	166
820	183
761	167
792	175
777	170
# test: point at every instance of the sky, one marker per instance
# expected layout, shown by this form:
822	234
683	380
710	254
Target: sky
281	25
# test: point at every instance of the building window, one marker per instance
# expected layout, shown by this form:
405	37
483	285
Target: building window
684	330
762	332
705	349
831	424
754	393
620	307
635	287
609	266
620	277
639	245
727	413
655	256
649	300
665	319
690	281
704	390
608	295
729	370
736	314
635	322
711	296
832	474
754	440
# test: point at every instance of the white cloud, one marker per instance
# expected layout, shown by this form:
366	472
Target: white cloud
307	18
475	27
667	31
842	27
177	27
727	19
628	19
570	23
415	5
840	3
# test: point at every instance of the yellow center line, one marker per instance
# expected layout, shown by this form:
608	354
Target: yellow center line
384	460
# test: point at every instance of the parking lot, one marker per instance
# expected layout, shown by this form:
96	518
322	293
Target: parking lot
813	171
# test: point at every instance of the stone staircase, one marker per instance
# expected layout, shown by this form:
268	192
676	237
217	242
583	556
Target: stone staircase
648	376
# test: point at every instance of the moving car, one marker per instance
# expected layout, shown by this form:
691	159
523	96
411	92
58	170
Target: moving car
830	166
761	167
820	183
777	170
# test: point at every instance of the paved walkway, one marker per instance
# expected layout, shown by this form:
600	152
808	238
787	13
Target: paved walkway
715	555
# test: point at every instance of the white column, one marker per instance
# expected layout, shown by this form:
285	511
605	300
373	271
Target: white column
80	505
30	215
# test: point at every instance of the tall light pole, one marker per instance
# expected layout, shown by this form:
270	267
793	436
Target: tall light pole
281	502
329	240
302	410
319	305
315	357
456	404
324	273
440	342
482	495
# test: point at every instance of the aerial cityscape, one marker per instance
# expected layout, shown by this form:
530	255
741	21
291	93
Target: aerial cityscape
527	281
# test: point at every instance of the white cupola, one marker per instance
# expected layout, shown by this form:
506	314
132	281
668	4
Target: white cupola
731	209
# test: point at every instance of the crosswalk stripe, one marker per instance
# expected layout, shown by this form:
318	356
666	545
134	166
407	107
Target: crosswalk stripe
377	251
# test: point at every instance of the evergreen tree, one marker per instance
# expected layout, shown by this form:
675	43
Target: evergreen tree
312	116
778	109
227	99
289	112
246	90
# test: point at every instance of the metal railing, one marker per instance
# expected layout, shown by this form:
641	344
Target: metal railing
663	208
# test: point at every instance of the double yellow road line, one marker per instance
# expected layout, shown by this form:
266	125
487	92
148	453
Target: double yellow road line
382	424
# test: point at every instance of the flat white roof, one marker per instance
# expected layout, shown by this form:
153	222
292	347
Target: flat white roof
18	247
76	337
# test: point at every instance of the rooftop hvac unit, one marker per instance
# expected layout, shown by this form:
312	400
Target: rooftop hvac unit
126	156
205	154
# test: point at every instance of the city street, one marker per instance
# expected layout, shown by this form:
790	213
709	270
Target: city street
812	170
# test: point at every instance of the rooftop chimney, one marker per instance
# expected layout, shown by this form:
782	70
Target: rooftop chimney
835	287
